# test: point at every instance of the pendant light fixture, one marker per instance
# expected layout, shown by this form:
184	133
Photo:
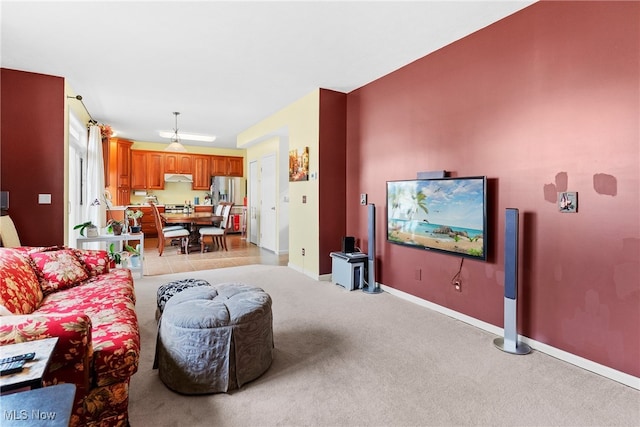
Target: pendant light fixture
175	145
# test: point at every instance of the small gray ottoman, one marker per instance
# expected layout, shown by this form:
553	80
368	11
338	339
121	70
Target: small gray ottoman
214	339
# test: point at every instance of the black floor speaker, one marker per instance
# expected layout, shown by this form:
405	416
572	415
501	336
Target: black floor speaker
510	343
371	287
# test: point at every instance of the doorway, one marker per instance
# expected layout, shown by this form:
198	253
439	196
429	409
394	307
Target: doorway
268	205
254	202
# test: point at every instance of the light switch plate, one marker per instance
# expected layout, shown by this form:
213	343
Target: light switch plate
363	199
44	199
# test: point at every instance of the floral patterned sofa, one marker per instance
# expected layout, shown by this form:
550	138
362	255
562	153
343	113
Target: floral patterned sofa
71	294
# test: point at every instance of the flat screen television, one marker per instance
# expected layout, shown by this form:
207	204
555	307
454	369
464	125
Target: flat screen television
447	215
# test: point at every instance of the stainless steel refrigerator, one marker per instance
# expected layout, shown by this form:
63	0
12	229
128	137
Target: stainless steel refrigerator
227	189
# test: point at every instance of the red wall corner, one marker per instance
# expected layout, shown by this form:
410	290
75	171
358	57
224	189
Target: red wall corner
332	170
32	154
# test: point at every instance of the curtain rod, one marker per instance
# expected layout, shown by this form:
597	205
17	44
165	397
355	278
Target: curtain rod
79	98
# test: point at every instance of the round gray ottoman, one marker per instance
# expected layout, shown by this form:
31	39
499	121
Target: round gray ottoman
214	338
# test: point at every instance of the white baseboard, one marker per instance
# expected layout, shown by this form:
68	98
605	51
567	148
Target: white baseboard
303	271
605	371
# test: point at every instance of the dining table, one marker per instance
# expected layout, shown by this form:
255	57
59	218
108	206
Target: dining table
195	220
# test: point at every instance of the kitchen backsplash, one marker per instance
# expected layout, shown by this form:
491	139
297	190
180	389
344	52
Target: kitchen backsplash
174	193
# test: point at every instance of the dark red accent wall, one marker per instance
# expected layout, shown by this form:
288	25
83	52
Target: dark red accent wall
32	154
332	170
545	100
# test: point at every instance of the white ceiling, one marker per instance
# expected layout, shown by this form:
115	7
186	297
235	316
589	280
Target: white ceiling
224	65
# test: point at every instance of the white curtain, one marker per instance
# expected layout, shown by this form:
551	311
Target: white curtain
78	139
95	206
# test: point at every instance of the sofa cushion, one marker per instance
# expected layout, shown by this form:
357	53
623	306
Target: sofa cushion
95	262
109	301
58	270
20	291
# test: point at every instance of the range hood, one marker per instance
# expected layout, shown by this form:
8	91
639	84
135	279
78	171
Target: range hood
177	177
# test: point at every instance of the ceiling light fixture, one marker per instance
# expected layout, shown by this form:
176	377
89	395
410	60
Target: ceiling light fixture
188	136
175	140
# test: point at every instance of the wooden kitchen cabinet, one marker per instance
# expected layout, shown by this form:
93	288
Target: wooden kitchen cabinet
138	170
119	163
147	170
236	166
124	163
147	221
155	171
218	165
227	166
201	173
177	163
123	196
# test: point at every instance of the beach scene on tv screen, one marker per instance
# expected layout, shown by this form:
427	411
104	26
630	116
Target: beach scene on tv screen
443	214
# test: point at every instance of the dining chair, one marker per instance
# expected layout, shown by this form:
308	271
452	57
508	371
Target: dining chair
218	212
218	234
182	234
166	227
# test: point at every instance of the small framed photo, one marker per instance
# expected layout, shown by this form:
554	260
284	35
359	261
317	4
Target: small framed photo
299	164
568	202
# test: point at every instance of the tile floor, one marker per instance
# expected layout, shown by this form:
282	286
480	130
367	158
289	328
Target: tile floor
240	252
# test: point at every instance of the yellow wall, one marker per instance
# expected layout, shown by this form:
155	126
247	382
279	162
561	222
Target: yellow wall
301	121
174	193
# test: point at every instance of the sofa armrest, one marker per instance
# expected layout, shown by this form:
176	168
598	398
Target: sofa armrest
71	358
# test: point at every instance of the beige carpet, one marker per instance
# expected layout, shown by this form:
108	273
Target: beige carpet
353	359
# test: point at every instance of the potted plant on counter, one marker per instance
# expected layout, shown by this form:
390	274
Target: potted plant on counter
92	230
134	215
114	226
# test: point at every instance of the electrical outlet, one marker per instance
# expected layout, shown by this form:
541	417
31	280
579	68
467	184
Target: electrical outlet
457	284
302	251
363	199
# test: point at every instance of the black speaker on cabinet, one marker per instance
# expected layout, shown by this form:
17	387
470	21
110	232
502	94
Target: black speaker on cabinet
348	244
510	343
